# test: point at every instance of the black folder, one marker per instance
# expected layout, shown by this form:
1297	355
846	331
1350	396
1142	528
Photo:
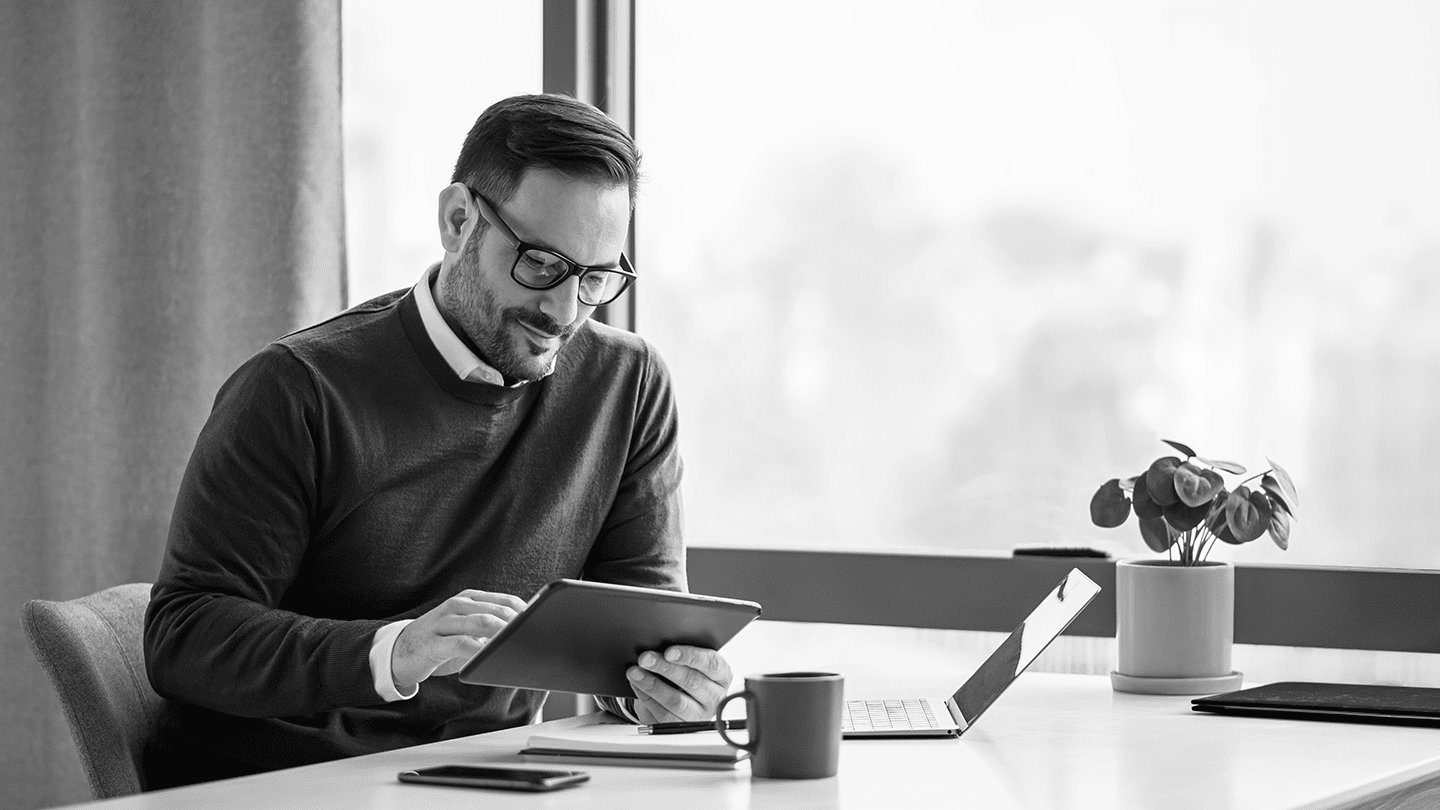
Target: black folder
1342	702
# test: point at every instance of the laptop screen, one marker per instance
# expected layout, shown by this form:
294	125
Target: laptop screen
1023	646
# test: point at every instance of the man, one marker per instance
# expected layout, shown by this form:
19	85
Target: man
375	496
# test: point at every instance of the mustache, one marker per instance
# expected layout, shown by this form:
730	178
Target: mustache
540	321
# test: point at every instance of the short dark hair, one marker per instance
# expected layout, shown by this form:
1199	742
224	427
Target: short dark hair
545	131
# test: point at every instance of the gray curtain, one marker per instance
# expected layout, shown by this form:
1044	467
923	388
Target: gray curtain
170	201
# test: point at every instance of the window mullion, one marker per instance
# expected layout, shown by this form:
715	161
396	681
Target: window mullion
589	50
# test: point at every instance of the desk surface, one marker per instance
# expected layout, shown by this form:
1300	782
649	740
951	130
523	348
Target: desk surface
1052	741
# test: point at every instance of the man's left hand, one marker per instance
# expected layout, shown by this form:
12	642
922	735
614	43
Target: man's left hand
702	677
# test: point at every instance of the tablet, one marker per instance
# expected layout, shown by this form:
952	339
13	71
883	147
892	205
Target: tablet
580	636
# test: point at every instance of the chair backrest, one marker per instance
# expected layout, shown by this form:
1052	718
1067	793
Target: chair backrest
91	649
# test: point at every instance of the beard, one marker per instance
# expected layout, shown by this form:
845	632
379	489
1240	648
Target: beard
497	332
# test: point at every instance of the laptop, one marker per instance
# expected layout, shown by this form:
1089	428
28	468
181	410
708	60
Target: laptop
952	716
1345	702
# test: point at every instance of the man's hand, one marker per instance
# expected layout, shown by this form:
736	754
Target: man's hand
441	641
702	675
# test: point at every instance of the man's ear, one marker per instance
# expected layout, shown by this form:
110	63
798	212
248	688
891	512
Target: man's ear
456	213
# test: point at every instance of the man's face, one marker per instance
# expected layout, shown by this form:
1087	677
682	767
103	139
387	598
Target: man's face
519	330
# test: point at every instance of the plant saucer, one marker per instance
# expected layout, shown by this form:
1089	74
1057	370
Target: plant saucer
1176	686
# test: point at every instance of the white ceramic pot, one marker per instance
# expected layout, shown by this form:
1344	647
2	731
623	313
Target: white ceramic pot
1174	627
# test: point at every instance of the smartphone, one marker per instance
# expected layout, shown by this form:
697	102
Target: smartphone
491	777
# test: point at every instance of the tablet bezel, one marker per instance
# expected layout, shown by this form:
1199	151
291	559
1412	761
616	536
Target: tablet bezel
580	636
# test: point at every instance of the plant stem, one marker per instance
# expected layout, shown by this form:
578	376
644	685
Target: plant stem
1208	544
1253	477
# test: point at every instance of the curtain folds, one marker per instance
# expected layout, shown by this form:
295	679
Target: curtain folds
170	201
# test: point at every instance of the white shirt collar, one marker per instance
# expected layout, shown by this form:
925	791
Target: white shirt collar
457	355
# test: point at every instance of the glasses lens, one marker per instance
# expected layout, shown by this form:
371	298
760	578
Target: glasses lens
600	287
537	268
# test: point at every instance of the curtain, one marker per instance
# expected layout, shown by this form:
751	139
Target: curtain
170	201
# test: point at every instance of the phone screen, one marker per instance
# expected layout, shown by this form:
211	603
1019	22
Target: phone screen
491	777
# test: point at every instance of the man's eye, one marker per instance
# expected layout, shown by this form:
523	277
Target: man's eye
540	264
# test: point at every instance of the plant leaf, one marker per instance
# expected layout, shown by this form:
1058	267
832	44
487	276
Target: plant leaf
1287	488
1263	505
1280	528
1109	507
1145	506
1183	518
1182	448
1220	527
1196	486
1156	534
1160	480
1247	513
1228	466
1272	487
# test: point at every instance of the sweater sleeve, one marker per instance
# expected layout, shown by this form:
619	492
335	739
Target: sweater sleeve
215	635
641	542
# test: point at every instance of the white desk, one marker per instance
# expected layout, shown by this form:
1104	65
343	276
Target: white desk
1052	741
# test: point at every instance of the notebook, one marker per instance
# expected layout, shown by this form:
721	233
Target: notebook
620	744
950	717
1346	702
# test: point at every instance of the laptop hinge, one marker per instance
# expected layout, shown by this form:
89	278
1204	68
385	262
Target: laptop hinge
955	713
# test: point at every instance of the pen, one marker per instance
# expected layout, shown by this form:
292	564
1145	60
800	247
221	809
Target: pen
683	728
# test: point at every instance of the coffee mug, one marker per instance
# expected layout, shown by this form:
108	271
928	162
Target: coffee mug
793	720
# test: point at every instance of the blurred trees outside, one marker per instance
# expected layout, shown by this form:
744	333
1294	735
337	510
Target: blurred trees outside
858	372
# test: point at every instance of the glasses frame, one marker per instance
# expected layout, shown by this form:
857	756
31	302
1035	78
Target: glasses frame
572	268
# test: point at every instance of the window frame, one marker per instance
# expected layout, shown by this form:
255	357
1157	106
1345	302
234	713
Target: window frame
1379	609
589	52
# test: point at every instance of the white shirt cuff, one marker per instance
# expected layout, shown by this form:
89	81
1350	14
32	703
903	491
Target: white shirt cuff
625	707
380	651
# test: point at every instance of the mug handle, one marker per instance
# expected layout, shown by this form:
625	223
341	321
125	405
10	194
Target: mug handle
720	724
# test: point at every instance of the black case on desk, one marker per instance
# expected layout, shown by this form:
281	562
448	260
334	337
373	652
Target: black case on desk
1341	702
578	636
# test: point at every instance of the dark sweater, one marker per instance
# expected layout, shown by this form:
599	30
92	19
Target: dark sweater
347	478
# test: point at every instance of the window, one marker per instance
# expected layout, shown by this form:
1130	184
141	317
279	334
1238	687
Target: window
927	273
416	75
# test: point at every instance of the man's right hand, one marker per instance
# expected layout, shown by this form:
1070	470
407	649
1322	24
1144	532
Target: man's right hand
441	641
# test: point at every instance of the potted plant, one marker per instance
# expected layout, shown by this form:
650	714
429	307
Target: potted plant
1175	618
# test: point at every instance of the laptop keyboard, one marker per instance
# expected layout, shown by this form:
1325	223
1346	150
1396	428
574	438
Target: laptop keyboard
887	715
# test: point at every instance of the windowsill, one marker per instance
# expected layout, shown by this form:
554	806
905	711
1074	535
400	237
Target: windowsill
878	661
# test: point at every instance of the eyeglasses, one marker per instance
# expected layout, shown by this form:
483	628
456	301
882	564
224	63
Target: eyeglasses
538	268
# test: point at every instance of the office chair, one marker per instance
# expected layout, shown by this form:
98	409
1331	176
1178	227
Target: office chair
91	649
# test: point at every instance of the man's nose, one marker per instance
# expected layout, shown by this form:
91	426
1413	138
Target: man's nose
562	302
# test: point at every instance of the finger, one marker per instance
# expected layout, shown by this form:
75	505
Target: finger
442	655
649	712
477	625
450	648
417	655
711	663
694	682
465	605
647	707
509	600
677	702
454	665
